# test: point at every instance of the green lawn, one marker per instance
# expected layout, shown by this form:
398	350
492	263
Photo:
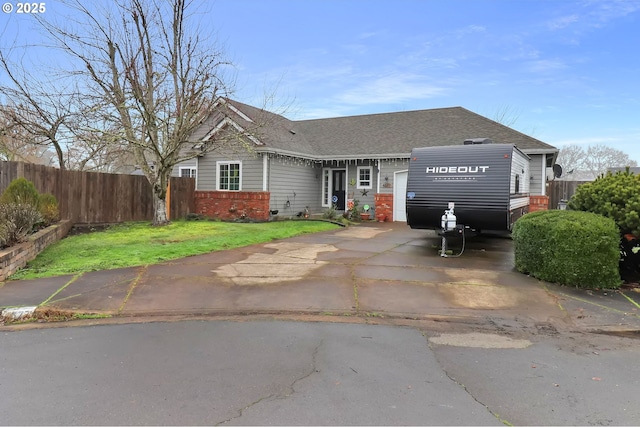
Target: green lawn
137	243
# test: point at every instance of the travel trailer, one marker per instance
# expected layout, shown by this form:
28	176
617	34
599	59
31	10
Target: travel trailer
478	186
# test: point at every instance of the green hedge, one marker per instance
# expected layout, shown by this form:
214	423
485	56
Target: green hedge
616	196
568	247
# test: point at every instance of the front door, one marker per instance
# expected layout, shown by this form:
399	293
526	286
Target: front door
338	191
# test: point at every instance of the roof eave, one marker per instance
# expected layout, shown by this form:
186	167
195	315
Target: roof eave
384	156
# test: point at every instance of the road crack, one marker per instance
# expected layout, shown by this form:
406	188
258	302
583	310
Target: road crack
290	389
466	390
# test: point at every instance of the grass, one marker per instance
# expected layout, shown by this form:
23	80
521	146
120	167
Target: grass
137	243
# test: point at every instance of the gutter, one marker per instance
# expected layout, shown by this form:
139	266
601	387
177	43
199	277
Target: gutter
333	158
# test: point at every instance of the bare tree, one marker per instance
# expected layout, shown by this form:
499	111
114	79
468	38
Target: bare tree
16	144
146	60
578	163
506	115
571	158
39	108
599	158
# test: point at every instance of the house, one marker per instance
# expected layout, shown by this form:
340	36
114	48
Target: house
293	165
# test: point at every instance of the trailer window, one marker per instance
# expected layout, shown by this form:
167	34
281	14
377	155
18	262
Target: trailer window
517	184
364	177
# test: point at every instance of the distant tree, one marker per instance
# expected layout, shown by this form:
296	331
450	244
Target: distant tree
17	145
599	158
578	163
506	115
36	108
571	158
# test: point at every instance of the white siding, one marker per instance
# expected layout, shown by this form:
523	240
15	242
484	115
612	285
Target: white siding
520	166
538	183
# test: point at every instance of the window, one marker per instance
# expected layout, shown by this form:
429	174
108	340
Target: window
549	160
187	172
326	187
364	177
228	176
517	184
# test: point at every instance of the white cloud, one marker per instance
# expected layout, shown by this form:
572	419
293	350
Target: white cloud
590	140
562	22
392	89
545	65
471	29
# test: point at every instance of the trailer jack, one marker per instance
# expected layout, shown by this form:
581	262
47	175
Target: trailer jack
460	229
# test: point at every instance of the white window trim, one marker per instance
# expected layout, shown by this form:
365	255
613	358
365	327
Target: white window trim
190	168
326	203
359	186
228	162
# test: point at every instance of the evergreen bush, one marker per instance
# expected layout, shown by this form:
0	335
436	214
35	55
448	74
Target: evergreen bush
616	196
568	247
21	191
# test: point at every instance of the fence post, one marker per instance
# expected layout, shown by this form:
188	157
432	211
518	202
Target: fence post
167	201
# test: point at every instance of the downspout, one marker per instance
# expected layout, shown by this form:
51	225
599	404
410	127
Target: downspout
544	175
265	176
378	179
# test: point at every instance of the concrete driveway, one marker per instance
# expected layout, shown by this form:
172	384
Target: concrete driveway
374	270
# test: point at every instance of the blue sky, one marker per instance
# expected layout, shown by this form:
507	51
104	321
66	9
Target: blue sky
569	71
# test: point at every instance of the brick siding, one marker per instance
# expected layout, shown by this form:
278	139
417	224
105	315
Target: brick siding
14	258
384	206
233	205
538	203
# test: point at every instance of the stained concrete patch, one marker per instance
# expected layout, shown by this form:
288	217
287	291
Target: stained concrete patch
387	296
479	277
199	296
291	261
361	232
478	340
479	296
401	273
476	289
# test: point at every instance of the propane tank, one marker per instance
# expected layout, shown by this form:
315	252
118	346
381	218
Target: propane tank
448	220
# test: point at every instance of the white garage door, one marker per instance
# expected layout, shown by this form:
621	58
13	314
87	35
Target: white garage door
400	196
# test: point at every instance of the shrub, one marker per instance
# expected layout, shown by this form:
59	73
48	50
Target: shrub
330	213
48	207
568	247
21	191
616	196
17	221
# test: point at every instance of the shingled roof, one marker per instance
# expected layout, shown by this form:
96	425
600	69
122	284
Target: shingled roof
379	135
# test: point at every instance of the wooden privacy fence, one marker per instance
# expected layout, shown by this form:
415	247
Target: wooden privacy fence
562	190
99	198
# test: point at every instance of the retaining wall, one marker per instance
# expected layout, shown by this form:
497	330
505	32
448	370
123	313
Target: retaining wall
16	257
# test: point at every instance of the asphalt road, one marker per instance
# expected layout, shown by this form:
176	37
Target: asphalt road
279	372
